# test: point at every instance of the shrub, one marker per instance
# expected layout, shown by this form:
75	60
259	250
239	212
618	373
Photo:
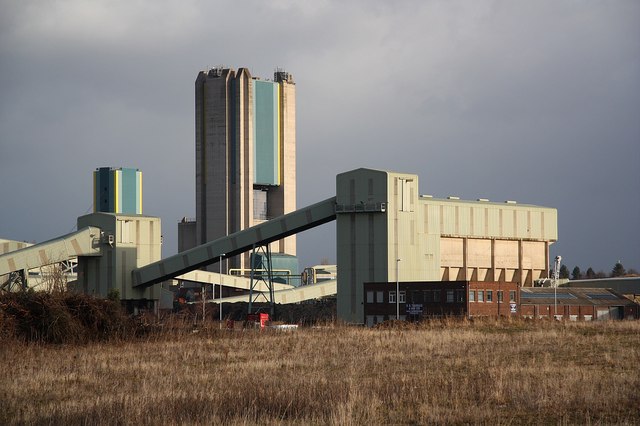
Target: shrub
61	318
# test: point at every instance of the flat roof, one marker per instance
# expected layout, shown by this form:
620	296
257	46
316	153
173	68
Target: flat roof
481	201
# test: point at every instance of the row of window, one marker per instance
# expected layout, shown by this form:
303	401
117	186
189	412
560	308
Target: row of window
487	296
378	297
435	296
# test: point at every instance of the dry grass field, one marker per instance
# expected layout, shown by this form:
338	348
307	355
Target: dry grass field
451	372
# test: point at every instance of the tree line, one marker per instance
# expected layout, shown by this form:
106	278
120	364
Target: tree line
577	274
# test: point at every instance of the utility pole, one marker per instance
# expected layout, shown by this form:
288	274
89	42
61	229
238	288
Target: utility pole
556	275
398	289
204	302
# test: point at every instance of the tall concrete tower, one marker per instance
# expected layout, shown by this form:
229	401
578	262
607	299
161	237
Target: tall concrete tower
245	155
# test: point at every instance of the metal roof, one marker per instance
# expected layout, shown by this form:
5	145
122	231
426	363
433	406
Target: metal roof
480	201
573	296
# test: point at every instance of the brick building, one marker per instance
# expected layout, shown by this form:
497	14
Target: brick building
418	300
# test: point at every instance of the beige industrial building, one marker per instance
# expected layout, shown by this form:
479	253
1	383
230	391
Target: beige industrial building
124	242
245	157
387	232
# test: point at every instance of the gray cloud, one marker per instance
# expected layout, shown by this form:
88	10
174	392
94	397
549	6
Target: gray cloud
533	101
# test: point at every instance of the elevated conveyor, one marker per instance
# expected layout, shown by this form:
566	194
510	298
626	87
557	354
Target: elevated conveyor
236	243
293	295
85	242
206	277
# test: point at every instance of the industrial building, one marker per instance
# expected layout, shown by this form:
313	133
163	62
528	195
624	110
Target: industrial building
469	299
387	236
245	160
627	286
576	304
419	300
386	232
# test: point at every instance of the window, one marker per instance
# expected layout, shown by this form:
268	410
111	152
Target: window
436	296
406	194
403	297
480	295
449	296
459	296
369	296
379	297
126	233
512	295
489	296
392	297
500	298
417	297
370	320
260	209
428	296
472	295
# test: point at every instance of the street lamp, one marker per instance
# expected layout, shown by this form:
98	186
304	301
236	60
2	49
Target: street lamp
556	274
397	289
221	256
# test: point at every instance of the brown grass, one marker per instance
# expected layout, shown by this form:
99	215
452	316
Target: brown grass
458	372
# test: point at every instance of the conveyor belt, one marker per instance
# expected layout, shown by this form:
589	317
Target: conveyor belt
236	243
84	242
233	281
294	295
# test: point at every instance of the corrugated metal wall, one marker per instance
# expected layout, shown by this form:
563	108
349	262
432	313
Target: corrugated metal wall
490	220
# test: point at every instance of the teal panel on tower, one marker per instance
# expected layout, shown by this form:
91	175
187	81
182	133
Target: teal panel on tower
266	132
117	190
129	191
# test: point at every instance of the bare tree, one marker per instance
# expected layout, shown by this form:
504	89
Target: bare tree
54	279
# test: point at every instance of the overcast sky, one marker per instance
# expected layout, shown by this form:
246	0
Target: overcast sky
534	101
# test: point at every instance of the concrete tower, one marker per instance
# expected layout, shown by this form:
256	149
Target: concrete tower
245	155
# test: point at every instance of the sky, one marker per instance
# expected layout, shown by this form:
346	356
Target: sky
533	101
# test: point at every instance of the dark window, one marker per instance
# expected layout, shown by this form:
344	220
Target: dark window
500	299
489	295
460	296
512	296
449	296
436	296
